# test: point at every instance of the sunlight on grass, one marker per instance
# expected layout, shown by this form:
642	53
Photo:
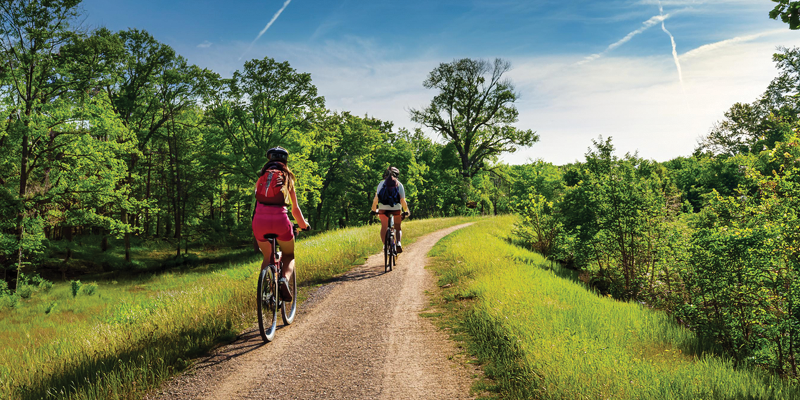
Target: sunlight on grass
544	335
129	336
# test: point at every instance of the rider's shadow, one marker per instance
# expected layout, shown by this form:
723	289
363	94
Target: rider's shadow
245	343
361	273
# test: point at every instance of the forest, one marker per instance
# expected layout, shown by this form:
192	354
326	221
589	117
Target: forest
114	138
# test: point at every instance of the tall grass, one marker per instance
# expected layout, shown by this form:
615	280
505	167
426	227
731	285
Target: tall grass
544	335
126	338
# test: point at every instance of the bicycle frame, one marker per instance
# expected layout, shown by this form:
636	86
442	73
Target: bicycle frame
268	300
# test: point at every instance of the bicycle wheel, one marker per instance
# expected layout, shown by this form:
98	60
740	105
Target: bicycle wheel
289	310
387	252
267	300
393	255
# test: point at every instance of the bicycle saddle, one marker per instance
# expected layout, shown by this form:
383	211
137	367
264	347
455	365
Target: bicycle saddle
271	236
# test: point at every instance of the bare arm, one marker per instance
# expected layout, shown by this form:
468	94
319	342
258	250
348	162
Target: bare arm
375	203
296	213
404	204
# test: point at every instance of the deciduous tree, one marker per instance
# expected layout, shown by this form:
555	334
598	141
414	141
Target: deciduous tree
474	110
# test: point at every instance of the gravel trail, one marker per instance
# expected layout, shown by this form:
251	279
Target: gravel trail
360	337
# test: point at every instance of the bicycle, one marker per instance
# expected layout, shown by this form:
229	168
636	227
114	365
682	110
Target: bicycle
389	244
267	297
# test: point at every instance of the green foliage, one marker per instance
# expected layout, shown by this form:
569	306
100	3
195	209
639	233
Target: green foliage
615	218
473	111
743	285
539	333
25	291
75	286
89	288
540	228
789	11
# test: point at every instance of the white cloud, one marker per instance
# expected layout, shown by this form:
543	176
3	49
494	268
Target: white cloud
636	100
206	44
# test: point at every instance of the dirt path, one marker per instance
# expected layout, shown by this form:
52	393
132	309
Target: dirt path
358	338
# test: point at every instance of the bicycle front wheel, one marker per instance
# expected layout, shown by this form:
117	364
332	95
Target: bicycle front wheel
289	310
267	303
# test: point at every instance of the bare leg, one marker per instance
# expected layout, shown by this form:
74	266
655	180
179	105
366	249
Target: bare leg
266	250
384	225
287	257
397	220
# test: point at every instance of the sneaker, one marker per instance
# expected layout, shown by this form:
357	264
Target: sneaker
283	289
399	248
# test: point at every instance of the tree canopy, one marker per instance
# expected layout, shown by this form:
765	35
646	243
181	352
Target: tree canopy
473	111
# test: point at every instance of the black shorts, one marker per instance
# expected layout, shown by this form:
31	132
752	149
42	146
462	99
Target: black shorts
390	212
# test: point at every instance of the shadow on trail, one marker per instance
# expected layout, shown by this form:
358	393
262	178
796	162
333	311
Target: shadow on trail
247	342
360	274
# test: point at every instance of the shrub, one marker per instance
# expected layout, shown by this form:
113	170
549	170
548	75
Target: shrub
89	289
9	301
76	286
45	285
50	307
25	291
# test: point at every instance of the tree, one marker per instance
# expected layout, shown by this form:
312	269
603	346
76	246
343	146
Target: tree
789	11
474	111
60	142
759	125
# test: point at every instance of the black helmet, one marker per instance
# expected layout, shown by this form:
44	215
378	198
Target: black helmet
278	154
393	171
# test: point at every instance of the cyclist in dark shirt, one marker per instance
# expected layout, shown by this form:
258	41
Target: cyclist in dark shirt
394	210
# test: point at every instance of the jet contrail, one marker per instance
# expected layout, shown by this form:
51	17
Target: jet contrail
739	39
274	17
645	25
674	49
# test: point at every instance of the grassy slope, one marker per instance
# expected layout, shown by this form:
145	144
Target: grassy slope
543	335
130	336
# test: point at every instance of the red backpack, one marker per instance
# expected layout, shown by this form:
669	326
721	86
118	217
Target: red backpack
269	188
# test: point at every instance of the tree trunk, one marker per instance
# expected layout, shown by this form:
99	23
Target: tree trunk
147	197
104	242
127	237
68	230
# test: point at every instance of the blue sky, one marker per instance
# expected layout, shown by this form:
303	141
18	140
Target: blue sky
583	68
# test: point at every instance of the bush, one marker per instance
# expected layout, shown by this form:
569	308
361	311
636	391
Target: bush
9	301
75	286
25	291
89	289
45	285
4	288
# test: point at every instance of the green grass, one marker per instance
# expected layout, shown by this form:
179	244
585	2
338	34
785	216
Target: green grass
542	334
127	337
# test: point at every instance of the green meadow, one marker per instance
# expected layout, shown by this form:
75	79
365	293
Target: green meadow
119	339
540	333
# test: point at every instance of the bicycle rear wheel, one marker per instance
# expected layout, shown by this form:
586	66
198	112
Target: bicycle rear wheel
387	252
289	310
393	255
267	300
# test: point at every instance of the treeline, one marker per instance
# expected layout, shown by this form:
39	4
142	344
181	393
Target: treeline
713	238
114	134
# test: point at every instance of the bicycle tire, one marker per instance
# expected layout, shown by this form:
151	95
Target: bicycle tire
289	310
267	303
393	256
387	252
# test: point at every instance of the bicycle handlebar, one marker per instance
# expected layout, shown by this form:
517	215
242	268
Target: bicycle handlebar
404	215
296	230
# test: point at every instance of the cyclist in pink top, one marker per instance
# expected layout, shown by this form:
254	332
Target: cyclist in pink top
273	218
